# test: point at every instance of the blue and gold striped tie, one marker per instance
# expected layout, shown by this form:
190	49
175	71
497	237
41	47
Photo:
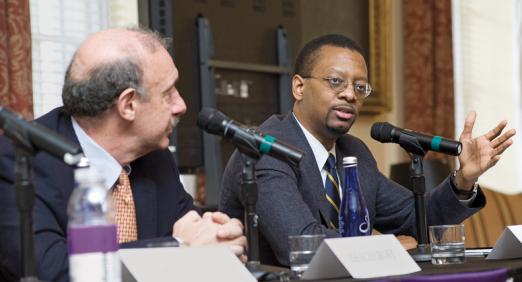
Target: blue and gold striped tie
331	189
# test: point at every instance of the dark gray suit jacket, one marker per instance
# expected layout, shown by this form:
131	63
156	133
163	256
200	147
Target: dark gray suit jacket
291	199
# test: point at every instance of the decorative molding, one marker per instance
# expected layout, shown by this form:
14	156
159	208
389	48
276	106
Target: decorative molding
380	57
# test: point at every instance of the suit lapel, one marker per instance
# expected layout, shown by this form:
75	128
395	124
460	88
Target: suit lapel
144	194
311	177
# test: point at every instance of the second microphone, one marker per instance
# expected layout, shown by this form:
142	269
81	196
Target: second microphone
248	140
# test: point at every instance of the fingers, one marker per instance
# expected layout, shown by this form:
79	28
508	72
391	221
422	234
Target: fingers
207	215
243	258
220	218
237	245
238	248
503	140
191	216
230	230
407	242
468	125
495	132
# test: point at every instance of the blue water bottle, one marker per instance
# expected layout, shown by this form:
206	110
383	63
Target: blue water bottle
354	219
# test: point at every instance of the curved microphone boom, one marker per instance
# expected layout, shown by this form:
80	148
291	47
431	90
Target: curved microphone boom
387	133
35	136
248	140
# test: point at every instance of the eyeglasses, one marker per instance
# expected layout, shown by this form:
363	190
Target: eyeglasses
338	85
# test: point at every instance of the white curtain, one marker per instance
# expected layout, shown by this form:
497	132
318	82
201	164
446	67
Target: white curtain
487	64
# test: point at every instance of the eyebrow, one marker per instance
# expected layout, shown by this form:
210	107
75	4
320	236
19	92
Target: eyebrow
334	71
171	86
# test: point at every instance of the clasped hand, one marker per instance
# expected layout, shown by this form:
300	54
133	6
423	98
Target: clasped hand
211	229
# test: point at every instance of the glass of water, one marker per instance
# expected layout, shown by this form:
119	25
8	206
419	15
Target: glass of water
447	244
302	249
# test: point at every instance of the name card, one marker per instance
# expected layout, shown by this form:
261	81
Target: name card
182	264
509	245
360	257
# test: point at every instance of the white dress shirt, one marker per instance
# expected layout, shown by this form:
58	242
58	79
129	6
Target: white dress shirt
320	152
99	159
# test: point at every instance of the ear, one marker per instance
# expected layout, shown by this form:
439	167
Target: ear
297	87
127	103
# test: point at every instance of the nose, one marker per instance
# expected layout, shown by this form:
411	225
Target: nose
348	93
179	107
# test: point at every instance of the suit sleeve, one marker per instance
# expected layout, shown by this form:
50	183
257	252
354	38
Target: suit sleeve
281	208
394	205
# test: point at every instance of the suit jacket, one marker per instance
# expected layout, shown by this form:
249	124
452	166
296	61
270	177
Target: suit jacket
292	200
159	198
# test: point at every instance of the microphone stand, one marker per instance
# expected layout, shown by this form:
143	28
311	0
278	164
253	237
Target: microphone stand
417	153
249	195
25	203
25	152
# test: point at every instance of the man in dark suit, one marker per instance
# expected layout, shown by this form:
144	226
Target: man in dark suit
120	105
329	87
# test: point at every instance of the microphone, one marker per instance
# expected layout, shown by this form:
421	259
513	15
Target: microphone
248	140
35	136
386	133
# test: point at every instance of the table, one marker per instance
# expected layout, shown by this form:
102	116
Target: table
472	264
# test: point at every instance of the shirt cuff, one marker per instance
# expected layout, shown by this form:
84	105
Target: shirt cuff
471	194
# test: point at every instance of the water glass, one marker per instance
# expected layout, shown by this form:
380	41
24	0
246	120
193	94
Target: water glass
447	244
302	249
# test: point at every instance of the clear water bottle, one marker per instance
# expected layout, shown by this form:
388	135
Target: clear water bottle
354	219
92	238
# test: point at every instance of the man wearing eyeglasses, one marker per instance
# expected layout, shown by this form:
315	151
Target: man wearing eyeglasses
329	87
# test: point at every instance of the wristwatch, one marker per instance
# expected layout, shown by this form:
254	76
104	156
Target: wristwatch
458	191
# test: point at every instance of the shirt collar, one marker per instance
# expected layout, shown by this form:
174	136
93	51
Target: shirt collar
320	152
99	159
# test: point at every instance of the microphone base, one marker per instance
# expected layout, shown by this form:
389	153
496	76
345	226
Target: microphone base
421	254
267	273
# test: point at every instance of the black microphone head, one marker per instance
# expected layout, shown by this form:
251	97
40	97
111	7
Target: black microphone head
382	132
211	120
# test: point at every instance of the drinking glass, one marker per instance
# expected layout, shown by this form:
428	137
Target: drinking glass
302	249
447	244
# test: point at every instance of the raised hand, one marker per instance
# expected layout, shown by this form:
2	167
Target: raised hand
481	153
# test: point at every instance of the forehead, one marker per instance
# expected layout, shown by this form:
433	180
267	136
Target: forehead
338	59
159	68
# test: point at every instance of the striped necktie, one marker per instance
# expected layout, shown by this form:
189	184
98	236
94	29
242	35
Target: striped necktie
125	211
331	189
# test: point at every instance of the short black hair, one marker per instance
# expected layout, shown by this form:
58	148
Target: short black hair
306	57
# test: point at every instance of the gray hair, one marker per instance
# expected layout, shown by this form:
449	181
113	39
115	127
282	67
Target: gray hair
104	83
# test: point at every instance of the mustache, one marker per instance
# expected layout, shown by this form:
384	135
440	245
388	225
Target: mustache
174	122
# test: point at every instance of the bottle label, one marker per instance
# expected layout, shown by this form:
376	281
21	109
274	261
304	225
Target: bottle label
92	239
364	227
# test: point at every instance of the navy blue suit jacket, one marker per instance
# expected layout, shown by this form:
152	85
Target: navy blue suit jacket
158	195
292	200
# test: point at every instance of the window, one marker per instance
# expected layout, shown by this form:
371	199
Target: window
57	27
487	45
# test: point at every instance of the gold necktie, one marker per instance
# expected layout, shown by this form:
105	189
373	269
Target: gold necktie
125	210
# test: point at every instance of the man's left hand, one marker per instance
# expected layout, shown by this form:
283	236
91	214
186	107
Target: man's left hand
481	153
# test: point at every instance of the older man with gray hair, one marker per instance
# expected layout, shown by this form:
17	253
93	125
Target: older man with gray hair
120	105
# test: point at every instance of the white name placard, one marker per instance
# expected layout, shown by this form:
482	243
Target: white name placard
183	264
360	257
509	245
